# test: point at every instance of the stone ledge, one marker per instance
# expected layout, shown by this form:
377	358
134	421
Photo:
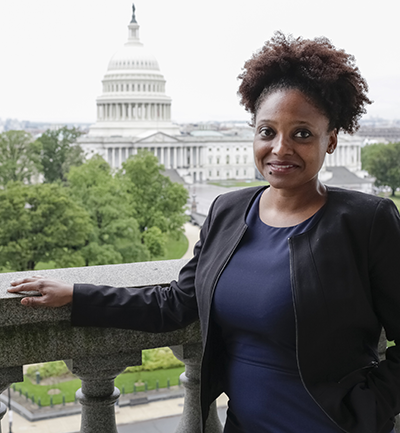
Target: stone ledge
125	275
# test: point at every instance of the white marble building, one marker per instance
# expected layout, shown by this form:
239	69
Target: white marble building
134	113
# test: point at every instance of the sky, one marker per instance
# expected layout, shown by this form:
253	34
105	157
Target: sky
55	53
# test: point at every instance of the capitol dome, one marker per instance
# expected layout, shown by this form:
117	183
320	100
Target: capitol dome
133	99
133	56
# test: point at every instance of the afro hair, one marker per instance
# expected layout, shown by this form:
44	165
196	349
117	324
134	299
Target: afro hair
326	75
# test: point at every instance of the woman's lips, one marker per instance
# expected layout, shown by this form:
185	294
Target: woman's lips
281	167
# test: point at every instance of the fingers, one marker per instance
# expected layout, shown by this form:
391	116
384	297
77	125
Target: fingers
32	302
55	293
26	285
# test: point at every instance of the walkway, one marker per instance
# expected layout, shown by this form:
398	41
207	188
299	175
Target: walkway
157	417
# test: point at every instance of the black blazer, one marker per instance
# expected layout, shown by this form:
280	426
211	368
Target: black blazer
345	287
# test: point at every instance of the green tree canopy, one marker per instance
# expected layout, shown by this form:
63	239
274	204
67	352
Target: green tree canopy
115	236
41	223
18	157
156	201
383	162
58	153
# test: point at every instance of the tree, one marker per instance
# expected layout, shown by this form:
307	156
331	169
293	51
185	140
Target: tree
18	157
115	236
41	223
156	201
58	153
383	162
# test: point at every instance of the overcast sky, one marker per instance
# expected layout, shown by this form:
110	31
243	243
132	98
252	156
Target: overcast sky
54	53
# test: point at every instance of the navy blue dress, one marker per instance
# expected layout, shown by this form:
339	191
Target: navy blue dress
253	308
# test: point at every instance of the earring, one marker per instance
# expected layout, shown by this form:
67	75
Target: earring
330	150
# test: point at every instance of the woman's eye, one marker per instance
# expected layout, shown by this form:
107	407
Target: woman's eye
303	134
266	132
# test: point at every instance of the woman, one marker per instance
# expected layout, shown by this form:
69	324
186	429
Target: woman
293	282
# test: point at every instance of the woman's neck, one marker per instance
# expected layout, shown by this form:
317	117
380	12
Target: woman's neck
282	208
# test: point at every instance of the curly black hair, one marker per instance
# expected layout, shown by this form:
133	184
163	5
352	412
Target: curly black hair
326	75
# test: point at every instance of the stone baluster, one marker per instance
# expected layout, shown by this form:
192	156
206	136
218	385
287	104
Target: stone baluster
8	375
3	410
98	394
191	416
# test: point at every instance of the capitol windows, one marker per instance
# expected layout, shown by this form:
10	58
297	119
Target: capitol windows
237	149
237	172
218	160
210	160
237	159
227	159
244	172
209	173
210	149
138	87
217	173
245	159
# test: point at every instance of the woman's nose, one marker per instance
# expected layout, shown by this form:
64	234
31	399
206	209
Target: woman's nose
282	146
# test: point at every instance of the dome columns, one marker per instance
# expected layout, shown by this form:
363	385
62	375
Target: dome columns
128	111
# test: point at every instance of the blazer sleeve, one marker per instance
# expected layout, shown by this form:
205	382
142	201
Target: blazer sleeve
149	309
384	255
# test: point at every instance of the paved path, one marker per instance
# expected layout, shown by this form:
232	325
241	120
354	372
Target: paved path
192	233
156	417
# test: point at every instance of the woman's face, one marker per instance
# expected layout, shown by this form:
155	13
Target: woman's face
291	140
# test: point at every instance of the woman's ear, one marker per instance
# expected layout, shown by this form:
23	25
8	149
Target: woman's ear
332	141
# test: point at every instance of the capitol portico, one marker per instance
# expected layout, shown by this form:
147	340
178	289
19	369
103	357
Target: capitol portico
134	113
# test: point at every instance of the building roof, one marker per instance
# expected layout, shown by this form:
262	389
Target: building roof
173	175
341	176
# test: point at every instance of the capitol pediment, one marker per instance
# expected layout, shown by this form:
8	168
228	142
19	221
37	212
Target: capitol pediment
158	137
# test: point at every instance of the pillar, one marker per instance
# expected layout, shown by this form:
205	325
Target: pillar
98	393
190	420
8	375
175	157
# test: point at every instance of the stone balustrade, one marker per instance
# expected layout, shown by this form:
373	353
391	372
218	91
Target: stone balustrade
96	355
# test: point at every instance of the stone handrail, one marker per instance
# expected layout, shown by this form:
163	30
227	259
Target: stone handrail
96	355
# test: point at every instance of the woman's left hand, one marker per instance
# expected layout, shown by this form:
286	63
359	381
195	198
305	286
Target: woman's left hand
55	293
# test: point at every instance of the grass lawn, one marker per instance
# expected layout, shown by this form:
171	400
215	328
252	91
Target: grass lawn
175	247
238	183
124	382
396	200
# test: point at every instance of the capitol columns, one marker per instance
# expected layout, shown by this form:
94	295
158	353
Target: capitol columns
175	156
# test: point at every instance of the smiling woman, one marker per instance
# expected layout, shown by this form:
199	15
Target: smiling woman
293	282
